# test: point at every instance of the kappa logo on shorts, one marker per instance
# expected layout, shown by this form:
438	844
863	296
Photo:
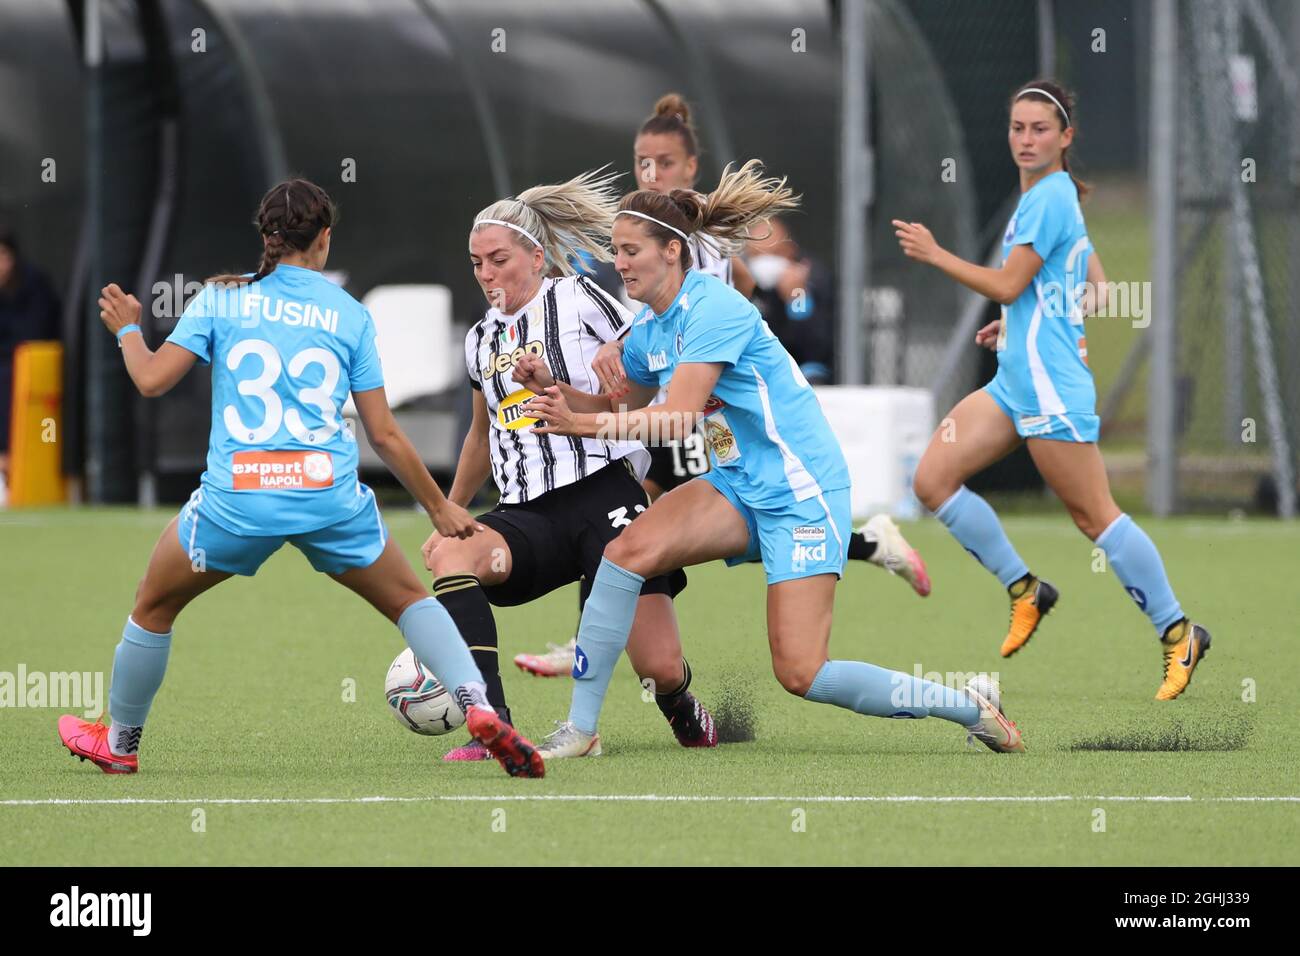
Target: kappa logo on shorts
805	553
809	532
274	470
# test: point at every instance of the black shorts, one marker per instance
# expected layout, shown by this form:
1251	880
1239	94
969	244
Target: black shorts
678	462
561	536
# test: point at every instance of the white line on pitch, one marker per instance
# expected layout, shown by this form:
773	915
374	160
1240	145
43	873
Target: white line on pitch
636	798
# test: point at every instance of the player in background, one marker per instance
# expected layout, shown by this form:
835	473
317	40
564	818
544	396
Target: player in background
665	158
561	499
1043	393
779	486
286	346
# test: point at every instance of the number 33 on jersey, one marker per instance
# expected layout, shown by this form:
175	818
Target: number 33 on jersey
285	352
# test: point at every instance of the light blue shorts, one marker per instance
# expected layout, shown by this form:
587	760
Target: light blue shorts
354	542
800	539
1067	426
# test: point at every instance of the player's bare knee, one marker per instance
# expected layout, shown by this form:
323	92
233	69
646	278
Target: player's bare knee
633	552
1090	522
153	615
795	675
452	556
932	488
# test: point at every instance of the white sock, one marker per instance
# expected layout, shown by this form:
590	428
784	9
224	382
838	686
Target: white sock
471	694
123	739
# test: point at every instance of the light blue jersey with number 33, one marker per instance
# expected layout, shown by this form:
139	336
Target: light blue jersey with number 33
285	351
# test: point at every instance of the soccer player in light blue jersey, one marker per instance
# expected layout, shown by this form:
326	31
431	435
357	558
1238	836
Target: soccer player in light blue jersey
286	347
1043	393
779	486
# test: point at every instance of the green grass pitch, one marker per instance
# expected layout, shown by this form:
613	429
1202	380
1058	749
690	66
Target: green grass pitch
254	710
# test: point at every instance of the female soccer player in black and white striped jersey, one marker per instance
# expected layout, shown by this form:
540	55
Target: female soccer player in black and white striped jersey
562	499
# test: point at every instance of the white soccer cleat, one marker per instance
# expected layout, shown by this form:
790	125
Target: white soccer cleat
993	730
568	741
894	554
557	662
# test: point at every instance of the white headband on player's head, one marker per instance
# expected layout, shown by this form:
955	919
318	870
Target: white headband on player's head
658	222
1034	89
510	225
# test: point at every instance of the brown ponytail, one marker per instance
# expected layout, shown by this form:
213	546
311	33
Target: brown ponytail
672	114
1064	99
289	218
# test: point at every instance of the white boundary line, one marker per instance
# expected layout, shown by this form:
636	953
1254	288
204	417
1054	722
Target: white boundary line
628	798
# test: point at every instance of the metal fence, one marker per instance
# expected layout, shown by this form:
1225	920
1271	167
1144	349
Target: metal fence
1224	393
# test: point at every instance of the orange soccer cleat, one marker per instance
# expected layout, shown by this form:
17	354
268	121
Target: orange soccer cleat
89	741
1027	611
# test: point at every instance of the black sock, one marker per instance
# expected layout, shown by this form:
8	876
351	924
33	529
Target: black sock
668	701
1020	585
584	592
860	548
463	597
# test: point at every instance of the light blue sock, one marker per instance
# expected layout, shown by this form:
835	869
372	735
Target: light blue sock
436	641
602	635
139	664
1137	564
868	689
976	527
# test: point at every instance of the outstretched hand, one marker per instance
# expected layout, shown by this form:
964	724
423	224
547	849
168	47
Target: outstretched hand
917	241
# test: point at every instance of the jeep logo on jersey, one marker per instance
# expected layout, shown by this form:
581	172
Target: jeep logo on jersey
504	361
510	413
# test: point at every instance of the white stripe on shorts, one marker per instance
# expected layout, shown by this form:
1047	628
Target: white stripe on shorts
831	521
379	520
194	528
1073	431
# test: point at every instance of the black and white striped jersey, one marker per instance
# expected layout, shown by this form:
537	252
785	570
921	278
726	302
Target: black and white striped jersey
706	257
565	323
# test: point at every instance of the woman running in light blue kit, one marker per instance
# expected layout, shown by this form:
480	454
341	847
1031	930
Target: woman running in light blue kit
1043	393
286	347
779	486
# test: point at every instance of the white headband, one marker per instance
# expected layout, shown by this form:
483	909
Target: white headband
658	222
510	225
1034	89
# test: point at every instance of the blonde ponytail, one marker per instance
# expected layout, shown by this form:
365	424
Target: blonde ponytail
569	219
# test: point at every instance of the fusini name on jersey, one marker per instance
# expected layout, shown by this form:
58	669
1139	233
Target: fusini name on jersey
274	309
